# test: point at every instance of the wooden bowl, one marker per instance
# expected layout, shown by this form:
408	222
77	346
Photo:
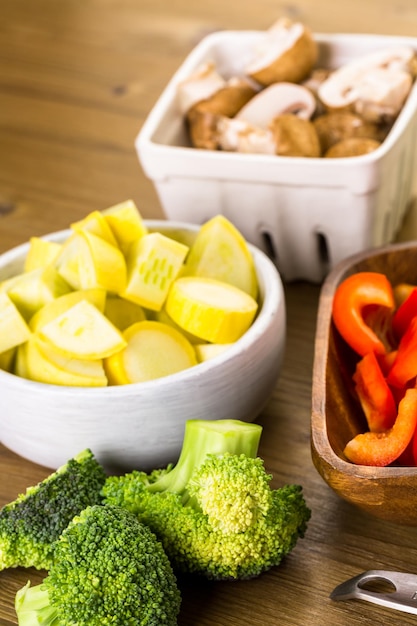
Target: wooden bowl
389	493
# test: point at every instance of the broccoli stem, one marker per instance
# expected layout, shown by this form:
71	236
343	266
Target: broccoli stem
203	437
33	607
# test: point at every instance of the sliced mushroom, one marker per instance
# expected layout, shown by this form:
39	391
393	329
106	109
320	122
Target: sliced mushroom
355	146
204	97
374	86
382	94
201	85
239	136
202	128
288	52
294	136
334	127
275	100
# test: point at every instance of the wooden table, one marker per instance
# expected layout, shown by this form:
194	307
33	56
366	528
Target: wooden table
77	79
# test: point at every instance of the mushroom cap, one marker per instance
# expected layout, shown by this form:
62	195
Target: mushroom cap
334	127
275	100
374	86
202	128
240	136
354	146
295	136
200	85
288	52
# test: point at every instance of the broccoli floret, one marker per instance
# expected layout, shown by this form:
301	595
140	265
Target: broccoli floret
215	511
30	525
109	570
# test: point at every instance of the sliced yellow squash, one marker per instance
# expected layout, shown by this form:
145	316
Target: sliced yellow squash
207	351
210	309
13	328
46	365
153	264
54	308
83	332
96	224
41	253
30	291
153	350
221	252
126	223
123	313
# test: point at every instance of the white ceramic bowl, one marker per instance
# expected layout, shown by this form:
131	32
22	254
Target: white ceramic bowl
306	213
142	425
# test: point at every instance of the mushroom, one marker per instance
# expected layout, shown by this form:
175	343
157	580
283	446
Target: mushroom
374	86
334	127
202	128
352	147
277	99
287	52
205	96
236	135
201	85
294	136
209	91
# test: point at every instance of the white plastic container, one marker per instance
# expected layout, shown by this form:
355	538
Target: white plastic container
307	214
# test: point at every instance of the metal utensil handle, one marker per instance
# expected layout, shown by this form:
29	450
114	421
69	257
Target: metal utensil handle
403	596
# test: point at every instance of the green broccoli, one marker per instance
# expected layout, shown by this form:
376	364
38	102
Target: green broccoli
109	570
30	525
215	512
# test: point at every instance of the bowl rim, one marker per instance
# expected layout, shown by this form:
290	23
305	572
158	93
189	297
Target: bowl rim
271	301
320	444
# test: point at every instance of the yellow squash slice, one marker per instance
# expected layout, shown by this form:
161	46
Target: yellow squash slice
54	308
13	328
207	351
41	253
153	350
210	309
46	365
221	252
126	223
83	332
30	291
123	313
153	264
96	224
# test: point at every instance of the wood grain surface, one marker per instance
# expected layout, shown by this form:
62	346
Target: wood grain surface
77	79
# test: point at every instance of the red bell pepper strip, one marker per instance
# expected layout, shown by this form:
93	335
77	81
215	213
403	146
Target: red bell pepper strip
382	449
374	394
404	314
404	368
353	299
401	292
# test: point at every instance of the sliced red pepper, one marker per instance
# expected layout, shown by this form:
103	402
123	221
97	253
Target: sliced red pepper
382	449
374	394
386	361
404	314
401	292
355	299
404	368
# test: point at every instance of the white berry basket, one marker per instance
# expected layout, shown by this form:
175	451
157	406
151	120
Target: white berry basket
307	214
